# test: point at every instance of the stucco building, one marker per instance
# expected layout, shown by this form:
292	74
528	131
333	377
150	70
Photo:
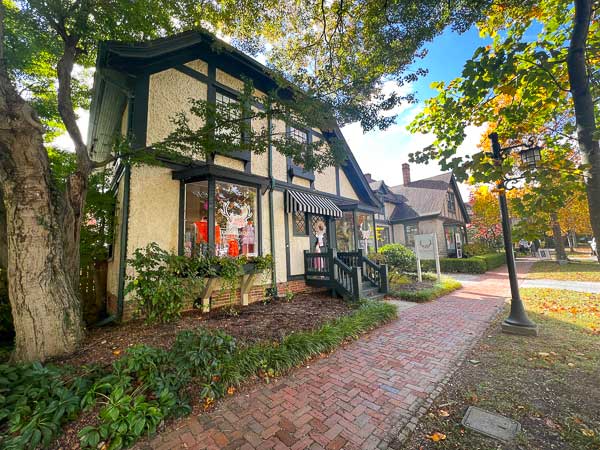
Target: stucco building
234	203
431	205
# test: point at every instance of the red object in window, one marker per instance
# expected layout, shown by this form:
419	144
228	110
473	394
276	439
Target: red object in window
234	248
202	232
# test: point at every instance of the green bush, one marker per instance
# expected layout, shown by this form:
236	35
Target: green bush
476	249
476	264
443	287
398	257
494	260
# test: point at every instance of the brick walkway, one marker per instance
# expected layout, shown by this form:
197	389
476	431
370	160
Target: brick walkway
364	394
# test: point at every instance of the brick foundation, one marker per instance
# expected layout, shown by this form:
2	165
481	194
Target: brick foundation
225	297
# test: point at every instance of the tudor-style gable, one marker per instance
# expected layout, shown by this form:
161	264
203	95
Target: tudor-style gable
140	87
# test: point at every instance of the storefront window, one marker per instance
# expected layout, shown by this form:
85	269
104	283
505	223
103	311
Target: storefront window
344	232
195	240
235	215
411	230
383	235
366	237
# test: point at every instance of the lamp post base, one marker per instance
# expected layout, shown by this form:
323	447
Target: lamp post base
521	330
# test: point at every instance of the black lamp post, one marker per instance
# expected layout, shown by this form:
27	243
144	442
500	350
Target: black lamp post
517	322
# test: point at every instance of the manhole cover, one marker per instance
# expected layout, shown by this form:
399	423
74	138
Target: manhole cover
491	424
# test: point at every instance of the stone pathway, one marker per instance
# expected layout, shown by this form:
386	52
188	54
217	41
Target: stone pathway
364	394
592	287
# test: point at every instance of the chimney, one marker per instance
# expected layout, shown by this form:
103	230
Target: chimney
368	177
406	173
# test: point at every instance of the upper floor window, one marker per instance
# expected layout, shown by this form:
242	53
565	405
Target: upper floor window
301	136
411	230
228	110
451	202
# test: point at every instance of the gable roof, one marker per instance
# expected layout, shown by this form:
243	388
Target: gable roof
424	198
119	63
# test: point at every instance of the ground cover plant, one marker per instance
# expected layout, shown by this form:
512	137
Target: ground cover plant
573	271
549	383
474	264
146	385
424	291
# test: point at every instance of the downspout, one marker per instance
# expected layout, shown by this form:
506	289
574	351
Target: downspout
271	210
123	242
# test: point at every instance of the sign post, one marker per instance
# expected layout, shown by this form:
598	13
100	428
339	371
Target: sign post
426	248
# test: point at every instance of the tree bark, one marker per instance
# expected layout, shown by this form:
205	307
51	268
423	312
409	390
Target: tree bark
559	242
46	310
585	119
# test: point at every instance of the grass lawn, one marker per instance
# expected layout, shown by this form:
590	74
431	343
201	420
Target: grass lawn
573	271
411	290
550	384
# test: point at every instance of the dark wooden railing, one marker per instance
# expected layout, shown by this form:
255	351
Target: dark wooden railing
344	272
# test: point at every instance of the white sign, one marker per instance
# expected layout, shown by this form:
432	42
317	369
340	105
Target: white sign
426	248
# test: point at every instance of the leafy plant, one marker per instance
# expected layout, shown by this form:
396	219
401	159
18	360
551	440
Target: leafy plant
398	257
443	287
162	282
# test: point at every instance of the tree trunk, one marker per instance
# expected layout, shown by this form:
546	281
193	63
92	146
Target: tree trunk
46	310
559	242
584	108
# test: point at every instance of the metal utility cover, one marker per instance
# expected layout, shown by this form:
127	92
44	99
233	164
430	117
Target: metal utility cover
491	424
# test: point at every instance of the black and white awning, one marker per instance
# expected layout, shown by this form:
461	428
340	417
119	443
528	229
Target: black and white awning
298	201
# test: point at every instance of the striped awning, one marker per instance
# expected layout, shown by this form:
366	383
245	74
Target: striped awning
298	201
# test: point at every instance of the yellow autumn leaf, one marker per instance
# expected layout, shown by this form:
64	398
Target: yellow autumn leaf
437	436
587	432
444	413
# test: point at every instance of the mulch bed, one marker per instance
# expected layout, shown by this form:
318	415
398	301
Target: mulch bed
268	321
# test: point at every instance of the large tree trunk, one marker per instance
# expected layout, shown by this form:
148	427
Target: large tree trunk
584	108
559	242
46	310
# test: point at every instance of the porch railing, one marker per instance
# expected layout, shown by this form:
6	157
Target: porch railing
344	272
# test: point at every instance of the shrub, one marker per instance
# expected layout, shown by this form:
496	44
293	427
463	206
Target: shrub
476	264
398	257
443	287
476	249
494	260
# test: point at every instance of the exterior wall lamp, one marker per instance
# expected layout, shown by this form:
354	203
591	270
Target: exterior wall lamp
517	321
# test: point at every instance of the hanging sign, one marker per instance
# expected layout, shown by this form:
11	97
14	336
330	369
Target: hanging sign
426	248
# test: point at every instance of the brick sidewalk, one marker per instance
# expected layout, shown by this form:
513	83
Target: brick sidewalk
364	394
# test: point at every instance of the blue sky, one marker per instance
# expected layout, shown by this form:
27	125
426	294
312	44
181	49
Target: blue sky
381	153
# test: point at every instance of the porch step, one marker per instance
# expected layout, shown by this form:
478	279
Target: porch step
371	291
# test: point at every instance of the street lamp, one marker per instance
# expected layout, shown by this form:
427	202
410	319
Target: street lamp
517	322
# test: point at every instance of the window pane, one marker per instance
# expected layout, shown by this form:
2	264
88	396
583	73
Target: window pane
344	232
228	109
236	218
411	231
383	236
195	240
299	224
366	238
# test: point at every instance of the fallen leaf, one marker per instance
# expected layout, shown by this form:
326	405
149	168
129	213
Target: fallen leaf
587	432
570	364
116	352
437	436
551	424
443	413
474	361
543	354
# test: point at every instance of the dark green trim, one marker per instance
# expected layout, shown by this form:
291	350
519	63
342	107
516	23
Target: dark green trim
202	171
286	226
123	243
211	216
139	115
338	190
181	218
192	73
271	207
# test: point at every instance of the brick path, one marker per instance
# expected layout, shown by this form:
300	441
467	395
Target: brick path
364	394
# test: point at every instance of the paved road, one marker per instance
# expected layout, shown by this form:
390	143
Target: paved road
362	395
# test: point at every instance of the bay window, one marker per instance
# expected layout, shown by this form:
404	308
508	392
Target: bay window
230	209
